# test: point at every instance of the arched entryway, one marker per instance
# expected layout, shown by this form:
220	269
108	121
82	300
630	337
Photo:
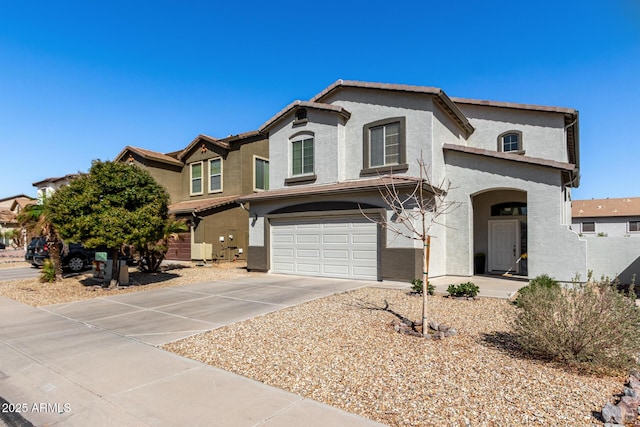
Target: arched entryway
500	232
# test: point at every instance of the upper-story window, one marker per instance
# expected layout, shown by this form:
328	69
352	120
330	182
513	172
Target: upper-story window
260	173
510	142
215	175
302	155
509	209
384	143
634	226
196	178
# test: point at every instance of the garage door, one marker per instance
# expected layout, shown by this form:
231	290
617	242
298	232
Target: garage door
345	248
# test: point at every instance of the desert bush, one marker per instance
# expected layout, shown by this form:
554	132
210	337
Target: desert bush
416	286
540	281
463	290
590	325
48	272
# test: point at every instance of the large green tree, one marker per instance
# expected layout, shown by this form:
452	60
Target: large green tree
112	205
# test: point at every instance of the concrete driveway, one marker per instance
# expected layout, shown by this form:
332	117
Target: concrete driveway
90	362
160	316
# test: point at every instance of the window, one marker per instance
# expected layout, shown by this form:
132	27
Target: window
634	225
215	175
302	156
196	178
588	227
261	174
384	145
301	114
509	209
510	142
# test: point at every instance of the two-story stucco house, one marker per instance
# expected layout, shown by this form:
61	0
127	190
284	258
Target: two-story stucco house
511	166
204	181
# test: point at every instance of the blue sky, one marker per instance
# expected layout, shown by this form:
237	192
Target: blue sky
82	80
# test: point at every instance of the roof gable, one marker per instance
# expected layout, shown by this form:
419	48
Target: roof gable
304	104
440	98
147	154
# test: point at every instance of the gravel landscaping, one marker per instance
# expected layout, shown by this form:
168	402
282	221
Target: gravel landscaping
341	351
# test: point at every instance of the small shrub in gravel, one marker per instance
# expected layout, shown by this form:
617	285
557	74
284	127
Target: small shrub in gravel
468	290
540	281
590	325
416	286
48	272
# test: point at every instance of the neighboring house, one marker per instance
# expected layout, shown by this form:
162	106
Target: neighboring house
204	182
48	186
10	207
512	167
607	217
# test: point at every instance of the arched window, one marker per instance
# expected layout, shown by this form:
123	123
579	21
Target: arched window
510	142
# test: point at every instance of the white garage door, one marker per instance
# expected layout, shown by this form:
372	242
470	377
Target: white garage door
345	248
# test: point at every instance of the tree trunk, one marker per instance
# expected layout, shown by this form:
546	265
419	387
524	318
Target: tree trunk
425	284
54	254
115	270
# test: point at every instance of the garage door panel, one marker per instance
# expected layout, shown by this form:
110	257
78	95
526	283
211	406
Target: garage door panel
307	268
307	253
361	255
331	247
283	238
335	238
336	270
308	238
284	267
335	255
284	252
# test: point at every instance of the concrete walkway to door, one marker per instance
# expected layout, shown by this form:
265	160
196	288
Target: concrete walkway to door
96	362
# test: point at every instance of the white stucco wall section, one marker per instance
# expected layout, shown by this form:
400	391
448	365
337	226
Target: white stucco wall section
614	257
543	133
552	247
610	226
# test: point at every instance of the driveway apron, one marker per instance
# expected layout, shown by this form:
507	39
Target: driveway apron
96	362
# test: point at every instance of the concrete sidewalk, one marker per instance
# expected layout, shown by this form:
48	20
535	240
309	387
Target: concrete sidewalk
90	363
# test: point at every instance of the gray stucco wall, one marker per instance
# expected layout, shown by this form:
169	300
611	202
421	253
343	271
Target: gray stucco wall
611	227
614	256
552	247
543	132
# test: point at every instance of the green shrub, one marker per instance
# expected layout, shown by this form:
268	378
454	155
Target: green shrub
590	325
416	286
48	272
463	290
543	281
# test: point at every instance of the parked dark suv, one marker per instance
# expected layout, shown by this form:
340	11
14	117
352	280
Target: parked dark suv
75	257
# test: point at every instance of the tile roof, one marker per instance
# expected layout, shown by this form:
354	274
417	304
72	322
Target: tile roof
627	206
510	156
201	205
6	216
369	184
306	104
67	177
440	97
201	139
148	154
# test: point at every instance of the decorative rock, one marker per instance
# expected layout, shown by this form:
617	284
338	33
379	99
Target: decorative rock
443	327
613	425
451	332
634	383
630	392
433	325
612	413
628	411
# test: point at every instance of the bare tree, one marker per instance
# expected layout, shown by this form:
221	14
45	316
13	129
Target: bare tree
417	205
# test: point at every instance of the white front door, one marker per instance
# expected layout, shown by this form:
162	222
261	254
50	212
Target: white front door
504	241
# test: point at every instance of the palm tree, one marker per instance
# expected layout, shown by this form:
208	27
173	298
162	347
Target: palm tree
34	220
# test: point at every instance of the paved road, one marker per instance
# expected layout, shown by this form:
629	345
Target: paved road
18	273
